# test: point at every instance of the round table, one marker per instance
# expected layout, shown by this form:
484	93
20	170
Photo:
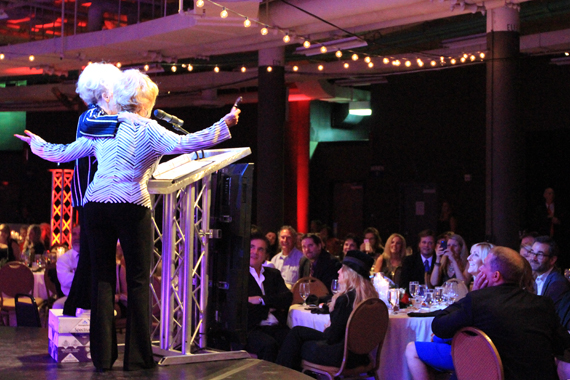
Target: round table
402	329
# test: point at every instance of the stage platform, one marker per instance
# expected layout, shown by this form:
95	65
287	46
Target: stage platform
24	356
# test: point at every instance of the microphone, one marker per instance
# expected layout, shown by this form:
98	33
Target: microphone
160	114
238	102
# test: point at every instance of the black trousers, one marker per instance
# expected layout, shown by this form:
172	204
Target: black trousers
131	224
80	291
265	341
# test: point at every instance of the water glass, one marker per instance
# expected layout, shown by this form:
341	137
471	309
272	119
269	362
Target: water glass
304	291
438	294
430	298
414	288
394	299
421	295
335	286
450	291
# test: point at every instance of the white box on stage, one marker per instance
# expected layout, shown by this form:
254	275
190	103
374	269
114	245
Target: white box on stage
65	324
70	354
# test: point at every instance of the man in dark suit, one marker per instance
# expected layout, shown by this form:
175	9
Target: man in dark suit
524	327
317	262
415	267
549	281
268	304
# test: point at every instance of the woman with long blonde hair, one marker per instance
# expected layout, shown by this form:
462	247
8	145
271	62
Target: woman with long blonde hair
326	348
390	261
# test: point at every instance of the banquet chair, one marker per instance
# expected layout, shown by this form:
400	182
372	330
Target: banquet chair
15	277
27	313
365	333
475	356
317	288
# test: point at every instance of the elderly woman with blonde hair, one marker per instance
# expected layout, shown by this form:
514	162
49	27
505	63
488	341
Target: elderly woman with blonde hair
118	206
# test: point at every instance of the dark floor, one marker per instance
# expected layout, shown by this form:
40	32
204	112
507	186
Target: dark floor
24	355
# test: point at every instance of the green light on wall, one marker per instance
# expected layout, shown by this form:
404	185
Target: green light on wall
11	123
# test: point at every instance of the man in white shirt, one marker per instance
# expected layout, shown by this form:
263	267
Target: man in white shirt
287	261
66	266
549	281
268	303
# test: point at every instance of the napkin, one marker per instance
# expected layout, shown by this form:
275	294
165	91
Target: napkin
430	314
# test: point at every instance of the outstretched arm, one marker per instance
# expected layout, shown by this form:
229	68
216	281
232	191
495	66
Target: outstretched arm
82	147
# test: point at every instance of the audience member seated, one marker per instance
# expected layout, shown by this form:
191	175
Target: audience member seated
419	265
477	257
66	266
23	236
273	244
450	262
326	348
9	248
549	281
372	244
268	304
317	262
524	327
330	242
390	262
527	240
287	261
33	244
46	235
351	243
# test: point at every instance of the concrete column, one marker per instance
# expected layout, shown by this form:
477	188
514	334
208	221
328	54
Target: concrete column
504	136
270	138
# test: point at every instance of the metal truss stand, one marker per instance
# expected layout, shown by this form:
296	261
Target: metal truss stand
61	220
179	277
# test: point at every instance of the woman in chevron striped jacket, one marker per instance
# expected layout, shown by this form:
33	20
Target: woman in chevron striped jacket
117	206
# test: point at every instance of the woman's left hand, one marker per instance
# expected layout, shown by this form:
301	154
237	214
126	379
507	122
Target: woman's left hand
26	139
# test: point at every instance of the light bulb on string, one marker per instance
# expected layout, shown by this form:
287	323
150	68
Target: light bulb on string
463	59
408	63
367	59
247	23
338	54
146	67
183	65
472	58
420	62
224	13
173	68
371	64
216	69
386	61
307	44
482	55
286	38
190	67
31	58
396	62
199	3
453	61
320	67
269	69
442	59
1	56
323	49
565	53
295	68
346	65
355	57
465	55
118	64
433	63
264	31
243	69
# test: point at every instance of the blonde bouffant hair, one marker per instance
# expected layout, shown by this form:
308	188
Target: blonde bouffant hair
95	80
135	92
353	281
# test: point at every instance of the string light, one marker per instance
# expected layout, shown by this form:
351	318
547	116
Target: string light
367	59
1	56
190	67
338	54
420	62
118	64
264	31
565	53
465	55
286	38
199	3
386	61
146	67
247	23
320	67
224	13
371	64
472	58
295	68
307	44
31	58
453	61
323	49
216	69
243	69
355	57
482	55
173	68
442	59
433	63
408	63
269	69
346	65
462	59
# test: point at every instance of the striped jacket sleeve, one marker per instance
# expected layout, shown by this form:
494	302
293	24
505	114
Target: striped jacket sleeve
81	147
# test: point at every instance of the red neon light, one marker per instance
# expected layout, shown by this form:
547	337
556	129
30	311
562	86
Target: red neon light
19	21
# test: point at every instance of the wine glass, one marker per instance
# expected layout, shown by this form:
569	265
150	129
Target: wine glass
394	299
450	291
414	288
335	286
430	298
304	291
438	295
421	295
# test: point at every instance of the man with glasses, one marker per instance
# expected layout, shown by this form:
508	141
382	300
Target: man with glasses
549	281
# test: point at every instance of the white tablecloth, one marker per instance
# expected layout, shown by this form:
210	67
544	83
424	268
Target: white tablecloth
39	285
401	330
